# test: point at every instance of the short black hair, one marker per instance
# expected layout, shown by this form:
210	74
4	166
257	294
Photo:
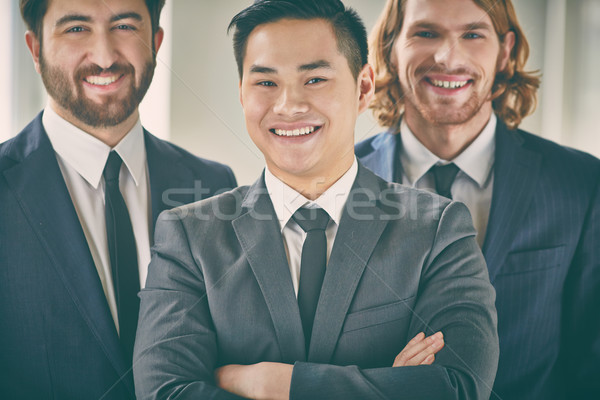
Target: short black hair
350	32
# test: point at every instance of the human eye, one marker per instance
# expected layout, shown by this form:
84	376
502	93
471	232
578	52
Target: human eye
472	35
75	29
315	80
266	83
425	34
125	27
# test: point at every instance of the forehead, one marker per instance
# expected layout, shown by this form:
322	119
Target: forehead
291	42
93	9
448	13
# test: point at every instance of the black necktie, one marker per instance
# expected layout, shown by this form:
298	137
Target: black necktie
444	177
312	265
123	255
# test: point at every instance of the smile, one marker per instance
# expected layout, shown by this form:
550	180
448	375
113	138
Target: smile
102	80
295	132
448	84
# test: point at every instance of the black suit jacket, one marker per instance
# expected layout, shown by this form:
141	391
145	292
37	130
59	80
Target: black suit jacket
57	336
542	248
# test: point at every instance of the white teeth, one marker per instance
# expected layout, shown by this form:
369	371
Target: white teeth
295	132
448	84
101	80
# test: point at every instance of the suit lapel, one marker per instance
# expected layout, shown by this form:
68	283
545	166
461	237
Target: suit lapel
259	234
383	159
516	172
355	241
169	178
38	184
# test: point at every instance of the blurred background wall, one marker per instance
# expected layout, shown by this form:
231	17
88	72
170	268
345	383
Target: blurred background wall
193	100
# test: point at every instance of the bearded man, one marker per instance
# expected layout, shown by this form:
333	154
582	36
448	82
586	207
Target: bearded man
80	189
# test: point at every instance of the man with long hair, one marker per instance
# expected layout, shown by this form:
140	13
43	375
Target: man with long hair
451	89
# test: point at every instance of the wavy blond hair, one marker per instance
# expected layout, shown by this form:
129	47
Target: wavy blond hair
514	93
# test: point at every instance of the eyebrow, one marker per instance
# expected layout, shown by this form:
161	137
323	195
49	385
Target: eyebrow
84	18
315	65
465	27
70	18
259	69
132	15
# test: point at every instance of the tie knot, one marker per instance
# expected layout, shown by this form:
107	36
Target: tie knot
444	177
311	219
112	167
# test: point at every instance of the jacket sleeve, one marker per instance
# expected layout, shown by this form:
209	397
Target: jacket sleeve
581	325
456	297
175	351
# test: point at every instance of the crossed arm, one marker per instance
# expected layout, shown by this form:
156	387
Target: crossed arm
269	380
183	338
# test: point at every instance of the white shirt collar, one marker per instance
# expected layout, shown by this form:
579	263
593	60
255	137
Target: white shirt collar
475	161
286	201
88	155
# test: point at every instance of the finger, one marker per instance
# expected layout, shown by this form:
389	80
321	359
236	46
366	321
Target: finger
418	337
415	345
436	343
429	360
415	348
410	345
415	353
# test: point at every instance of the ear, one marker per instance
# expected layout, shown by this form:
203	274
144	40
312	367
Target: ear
158	38
240	93
366	84
33	44
506	47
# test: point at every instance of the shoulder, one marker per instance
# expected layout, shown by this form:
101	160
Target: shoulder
373	143
563	168
201	167
21	146
221	208
411	207
554	152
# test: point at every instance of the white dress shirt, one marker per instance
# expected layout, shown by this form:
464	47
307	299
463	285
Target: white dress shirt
82	158
286	201
475	180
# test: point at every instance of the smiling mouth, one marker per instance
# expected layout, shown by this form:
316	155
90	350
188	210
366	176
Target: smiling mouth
447	84
295	132
102	80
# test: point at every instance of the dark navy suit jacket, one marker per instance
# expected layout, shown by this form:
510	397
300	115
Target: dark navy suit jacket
542	247
57	337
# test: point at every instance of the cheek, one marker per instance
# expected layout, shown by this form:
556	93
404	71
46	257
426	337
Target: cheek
253	108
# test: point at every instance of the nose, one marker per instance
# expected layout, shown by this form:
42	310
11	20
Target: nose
102	51
290	102
449	54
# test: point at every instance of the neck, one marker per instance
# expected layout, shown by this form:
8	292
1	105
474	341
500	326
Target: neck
111	135
447	141
312	186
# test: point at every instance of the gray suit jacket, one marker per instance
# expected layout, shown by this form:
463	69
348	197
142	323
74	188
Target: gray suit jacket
219	291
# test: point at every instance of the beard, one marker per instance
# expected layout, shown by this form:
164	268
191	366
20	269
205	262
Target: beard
113	110
442	110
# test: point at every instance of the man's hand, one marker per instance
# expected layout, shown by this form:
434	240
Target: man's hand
265	380
420	350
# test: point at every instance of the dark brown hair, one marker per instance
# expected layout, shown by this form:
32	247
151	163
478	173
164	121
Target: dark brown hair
33	12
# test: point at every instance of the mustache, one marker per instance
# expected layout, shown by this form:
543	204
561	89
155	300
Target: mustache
94	69
440	69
